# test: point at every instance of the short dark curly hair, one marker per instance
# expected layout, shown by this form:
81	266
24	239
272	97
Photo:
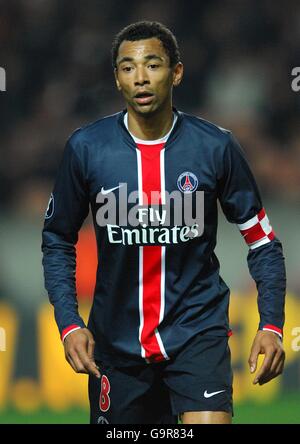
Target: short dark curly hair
147	30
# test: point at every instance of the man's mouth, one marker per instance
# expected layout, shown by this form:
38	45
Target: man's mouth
143	98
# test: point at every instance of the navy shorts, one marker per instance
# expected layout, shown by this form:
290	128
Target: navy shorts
198	378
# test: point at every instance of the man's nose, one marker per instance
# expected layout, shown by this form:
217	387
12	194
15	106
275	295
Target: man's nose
141	77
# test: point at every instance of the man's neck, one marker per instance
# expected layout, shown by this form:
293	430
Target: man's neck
150	127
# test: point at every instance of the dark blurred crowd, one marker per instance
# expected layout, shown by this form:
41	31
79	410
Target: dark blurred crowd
238	57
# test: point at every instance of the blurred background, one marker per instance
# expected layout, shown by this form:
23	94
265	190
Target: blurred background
238	57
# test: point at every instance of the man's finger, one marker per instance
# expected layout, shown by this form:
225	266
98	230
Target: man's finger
276	361
91	347
266	365
79	365
89	365
280	367
266	379
275	370
71	362
252	361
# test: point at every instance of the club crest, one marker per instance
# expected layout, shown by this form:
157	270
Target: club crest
187	182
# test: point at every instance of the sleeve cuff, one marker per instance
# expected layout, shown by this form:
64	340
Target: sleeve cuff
69	330
273	329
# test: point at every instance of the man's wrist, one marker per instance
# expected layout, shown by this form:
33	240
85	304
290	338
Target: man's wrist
272	328
66	331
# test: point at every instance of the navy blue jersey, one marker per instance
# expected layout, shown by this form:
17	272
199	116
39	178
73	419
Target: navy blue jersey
157	283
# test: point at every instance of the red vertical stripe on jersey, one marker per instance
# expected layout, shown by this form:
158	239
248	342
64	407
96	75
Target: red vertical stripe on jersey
150	156
151	170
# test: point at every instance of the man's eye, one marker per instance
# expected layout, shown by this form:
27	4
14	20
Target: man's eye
127	68
153	66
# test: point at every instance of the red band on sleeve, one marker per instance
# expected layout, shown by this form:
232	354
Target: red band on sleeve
261	214
272	327
253	234
68	329
271	235
257	230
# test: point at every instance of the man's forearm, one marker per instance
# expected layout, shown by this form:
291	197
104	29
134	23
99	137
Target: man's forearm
59	262
267	267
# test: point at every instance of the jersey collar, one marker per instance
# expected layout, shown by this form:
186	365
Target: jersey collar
129	140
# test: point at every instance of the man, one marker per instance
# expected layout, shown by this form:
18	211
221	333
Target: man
156	345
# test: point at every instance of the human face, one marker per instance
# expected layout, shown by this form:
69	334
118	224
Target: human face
144	76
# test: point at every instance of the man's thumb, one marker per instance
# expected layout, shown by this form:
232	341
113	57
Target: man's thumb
253	360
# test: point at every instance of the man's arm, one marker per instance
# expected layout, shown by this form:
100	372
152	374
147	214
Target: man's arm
266	266
241	202
67	209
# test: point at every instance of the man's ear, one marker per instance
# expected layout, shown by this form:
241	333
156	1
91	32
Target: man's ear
177	74
116	79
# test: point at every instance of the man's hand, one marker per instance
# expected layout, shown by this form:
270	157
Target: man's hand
79	352
269	344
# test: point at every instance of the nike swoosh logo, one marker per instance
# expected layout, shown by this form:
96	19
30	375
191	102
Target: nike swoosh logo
103	191
209	395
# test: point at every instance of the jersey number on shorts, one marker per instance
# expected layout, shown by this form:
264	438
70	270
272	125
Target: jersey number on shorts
104	400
